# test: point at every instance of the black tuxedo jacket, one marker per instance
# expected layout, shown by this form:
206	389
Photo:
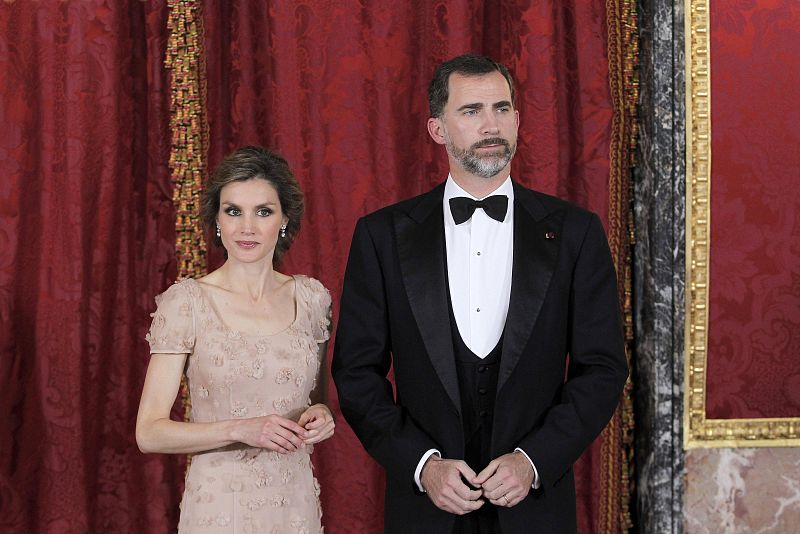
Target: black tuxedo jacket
562	369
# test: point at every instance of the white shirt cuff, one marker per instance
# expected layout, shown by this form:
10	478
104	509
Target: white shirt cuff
418	470
536	482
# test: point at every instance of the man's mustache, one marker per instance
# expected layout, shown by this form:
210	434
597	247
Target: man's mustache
491	141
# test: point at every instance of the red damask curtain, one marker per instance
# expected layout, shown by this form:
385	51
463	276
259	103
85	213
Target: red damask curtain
87	224
87	237
340	89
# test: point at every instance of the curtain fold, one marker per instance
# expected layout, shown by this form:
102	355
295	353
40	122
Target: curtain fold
87	235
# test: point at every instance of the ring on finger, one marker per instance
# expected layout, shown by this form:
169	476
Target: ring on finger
505	497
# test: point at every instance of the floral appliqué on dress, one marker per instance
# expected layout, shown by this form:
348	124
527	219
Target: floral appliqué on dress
233	374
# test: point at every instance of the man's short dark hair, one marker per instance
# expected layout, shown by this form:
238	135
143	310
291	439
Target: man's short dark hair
466	65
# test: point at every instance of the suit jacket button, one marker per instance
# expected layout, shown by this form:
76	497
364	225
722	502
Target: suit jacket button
482	369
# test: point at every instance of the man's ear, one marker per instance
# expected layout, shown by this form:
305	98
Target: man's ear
436	130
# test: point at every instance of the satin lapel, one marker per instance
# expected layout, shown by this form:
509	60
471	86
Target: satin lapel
421	248
536	237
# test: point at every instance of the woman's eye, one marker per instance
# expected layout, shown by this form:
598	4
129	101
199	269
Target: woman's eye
233	211
264	212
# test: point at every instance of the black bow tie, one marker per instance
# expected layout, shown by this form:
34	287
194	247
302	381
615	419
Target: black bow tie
495	207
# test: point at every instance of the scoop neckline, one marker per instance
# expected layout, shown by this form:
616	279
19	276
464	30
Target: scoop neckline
213	307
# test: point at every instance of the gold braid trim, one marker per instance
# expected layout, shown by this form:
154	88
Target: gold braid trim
187	159
617	444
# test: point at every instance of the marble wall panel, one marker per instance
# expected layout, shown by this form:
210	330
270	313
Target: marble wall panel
732	491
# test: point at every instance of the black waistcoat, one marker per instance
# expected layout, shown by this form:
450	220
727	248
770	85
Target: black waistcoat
477	382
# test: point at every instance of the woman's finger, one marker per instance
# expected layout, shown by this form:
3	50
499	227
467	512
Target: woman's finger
289	425
323	434
291	437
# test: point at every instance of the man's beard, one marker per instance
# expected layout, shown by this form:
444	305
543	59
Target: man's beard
487	165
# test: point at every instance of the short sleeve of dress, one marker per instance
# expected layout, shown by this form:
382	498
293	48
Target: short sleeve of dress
320	304
172	330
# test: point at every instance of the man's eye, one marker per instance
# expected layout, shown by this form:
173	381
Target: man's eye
470	112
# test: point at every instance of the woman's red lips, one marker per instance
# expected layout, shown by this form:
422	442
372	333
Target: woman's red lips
247	244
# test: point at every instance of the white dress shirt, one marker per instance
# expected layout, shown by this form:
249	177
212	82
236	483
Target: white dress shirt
480	254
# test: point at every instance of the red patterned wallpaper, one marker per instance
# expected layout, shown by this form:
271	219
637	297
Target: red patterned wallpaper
754	309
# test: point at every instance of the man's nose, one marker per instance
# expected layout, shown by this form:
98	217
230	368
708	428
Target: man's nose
489	125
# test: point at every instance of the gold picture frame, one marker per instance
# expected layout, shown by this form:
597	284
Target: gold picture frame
699	431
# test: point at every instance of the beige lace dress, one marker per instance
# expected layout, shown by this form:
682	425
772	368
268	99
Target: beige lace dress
232	374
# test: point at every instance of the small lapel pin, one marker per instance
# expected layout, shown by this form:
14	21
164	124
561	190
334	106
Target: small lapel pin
549	235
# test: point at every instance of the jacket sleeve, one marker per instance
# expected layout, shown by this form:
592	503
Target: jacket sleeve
597	368
361	362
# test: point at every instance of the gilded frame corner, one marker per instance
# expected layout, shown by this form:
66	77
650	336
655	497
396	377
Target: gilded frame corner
699	431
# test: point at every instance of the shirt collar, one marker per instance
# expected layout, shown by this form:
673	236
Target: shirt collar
452	189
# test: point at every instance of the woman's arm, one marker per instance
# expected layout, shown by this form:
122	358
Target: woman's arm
319	395
156	432
318	419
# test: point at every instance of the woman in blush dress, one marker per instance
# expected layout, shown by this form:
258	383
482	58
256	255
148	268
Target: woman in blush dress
252	342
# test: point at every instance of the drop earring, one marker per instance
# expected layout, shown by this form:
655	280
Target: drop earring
283	230
219	231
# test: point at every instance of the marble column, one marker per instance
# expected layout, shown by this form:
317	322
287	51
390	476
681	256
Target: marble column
659	181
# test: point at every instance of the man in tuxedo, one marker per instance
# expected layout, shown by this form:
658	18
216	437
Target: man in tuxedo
497	307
